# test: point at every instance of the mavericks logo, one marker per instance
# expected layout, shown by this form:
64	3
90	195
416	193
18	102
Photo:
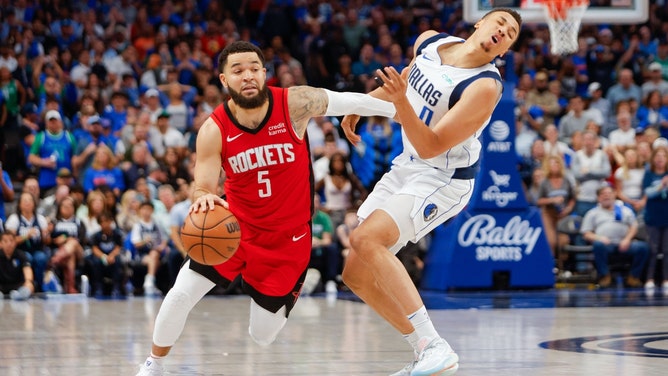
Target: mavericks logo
430	212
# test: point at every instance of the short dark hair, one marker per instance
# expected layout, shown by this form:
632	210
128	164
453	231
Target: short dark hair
105	216
236	48
510	11
147	203
7	233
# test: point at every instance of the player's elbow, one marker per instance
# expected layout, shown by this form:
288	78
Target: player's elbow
431	151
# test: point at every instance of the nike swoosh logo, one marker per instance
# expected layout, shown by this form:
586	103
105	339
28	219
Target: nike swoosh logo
230	139
296	238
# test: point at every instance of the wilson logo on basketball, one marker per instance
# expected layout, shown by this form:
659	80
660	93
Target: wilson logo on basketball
232	227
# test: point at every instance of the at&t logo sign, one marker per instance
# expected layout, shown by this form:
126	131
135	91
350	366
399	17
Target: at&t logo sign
499	131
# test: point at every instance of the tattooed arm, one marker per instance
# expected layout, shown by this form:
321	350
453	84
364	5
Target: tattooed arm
305	102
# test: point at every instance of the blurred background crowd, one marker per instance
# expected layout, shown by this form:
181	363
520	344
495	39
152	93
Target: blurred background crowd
101	102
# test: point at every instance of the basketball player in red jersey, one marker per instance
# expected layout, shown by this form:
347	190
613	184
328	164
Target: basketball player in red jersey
258	137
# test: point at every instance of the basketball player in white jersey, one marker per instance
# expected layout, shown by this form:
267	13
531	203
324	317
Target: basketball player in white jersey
444	99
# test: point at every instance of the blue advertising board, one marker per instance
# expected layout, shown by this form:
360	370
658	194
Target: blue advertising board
477	245
498	234
498	185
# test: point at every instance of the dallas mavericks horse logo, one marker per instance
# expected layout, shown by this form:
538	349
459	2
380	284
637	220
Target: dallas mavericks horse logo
430	212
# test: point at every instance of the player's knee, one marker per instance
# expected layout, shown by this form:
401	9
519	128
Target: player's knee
177	299
359	241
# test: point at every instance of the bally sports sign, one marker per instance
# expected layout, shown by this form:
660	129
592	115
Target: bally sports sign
498	243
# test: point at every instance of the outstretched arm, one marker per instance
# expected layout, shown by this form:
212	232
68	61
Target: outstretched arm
305	102
349	122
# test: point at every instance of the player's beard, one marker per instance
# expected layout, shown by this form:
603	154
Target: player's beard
250	102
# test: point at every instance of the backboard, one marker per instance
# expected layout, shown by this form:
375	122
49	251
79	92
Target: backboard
599	11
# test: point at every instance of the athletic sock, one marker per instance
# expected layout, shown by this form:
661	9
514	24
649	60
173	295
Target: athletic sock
149	280
424	328
412	340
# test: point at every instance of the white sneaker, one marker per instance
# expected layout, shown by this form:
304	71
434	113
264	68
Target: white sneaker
151	290
310	281
150	368
664	288
649	285
436	358
330	287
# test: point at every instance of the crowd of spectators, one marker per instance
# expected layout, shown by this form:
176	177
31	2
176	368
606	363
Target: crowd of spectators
101	103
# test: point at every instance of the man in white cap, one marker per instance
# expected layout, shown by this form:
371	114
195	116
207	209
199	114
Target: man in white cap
654	80
542	98
597	102
152	104
52	149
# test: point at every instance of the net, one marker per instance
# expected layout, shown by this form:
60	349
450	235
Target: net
563	19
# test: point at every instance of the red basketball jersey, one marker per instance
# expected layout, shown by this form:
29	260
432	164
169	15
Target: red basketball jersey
269	182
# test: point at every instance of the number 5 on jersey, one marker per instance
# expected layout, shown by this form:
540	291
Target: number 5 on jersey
263	180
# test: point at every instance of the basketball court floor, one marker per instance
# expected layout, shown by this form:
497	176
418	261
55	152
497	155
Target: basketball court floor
533	333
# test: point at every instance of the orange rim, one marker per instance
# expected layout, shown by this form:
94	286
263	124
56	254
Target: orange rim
558	9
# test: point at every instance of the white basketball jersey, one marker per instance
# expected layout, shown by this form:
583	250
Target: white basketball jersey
433	88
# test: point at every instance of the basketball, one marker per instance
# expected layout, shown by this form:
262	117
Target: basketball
211	237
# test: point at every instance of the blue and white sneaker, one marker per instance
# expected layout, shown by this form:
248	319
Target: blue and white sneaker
437	358
51	284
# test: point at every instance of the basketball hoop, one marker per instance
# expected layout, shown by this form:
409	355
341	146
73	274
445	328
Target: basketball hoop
563	19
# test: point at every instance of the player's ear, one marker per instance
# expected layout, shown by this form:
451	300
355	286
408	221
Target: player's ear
222	79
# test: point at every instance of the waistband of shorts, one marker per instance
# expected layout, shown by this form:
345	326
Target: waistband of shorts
467	173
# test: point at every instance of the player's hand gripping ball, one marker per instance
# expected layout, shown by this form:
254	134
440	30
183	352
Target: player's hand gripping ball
211	237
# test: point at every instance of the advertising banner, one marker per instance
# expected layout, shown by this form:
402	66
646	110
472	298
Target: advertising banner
481	249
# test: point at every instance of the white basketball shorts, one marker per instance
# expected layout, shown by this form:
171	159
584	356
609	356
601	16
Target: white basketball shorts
418	200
